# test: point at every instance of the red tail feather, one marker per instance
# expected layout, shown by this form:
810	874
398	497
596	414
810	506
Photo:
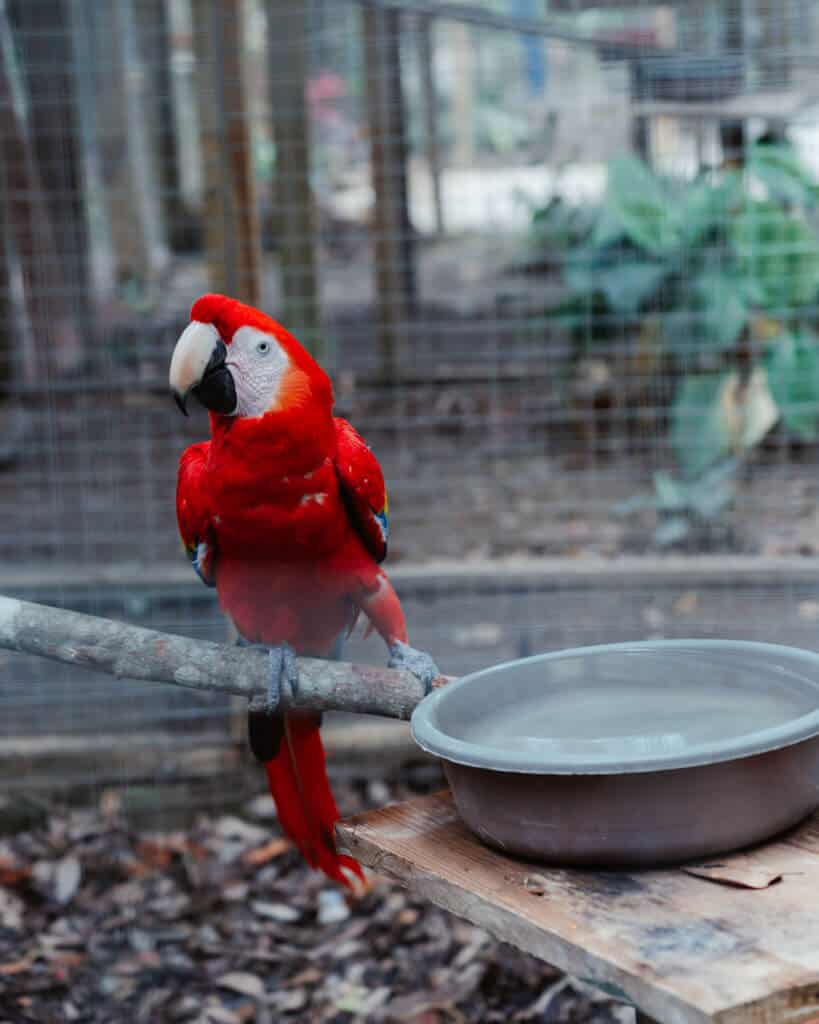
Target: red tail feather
307	809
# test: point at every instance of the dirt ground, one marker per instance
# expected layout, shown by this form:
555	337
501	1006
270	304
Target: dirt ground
221	923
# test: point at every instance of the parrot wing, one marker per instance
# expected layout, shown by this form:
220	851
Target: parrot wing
361	483
192	513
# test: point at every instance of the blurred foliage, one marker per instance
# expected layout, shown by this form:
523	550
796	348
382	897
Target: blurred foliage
692	512
728	265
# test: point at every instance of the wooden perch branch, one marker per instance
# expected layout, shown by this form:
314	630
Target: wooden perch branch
129	652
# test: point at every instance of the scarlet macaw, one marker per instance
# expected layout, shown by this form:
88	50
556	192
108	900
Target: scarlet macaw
284	511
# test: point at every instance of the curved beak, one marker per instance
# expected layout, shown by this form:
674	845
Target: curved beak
198	366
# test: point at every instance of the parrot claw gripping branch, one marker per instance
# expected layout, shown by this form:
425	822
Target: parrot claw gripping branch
284	511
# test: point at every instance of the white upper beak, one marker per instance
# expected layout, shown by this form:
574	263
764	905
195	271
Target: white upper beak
190	357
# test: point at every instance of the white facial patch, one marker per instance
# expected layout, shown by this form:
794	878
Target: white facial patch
258	364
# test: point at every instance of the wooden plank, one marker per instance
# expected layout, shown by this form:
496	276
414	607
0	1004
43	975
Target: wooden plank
429	103
41	214
57	762
666	572
782	105
393	249
683	949
145	227
295	228
230	214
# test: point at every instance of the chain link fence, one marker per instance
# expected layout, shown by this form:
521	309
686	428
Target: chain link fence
561	259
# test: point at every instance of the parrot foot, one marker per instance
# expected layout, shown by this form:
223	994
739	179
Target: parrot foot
283	672
419	663
264	720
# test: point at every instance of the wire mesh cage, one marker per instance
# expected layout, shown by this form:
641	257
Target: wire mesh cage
561	260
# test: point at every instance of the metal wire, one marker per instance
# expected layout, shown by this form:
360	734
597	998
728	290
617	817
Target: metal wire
371	171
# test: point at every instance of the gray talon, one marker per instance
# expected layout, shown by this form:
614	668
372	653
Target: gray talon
418	662
283	671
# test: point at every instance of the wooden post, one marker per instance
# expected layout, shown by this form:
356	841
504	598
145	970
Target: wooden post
295	226
733	133
101	257
429	100
230	214
157	34
183	102
7	331
463	100
38	173
392	232
640	123
146	220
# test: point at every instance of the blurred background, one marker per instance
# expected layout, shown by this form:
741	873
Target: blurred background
561	258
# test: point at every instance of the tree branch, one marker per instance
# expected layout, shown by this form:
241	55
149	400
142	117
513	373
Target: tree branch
129	652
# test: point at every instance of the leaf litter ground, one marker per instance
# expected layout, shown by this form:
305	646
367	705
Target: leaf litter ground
221	923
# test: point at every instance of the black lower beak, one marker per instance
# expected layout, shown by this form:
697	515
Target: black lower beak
216	390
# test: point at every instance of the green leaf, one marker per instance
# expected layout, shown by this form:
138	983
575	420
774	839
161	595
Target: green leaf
793	372
638	208
778	252
715	490
717	414
709	311
561	226
637	503
781	172
749	410
724	311
625	282
698	434
628	284
707	205
671	494
671	531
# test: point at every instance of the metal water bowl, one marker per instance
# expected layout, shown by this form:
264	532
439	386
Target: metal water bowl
633	754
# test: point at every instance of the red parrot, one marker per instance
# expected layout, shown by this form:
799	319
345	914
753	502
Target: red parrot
284	511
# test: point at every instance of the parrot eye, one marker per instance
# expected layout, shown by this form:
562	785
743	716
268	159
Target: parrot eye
263	348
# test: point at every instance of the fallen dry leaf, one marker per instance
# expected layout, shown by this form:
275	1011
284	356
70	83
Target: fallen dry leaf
263	854
231	827
153	855
215	1014
275	911
11	910
332	907
687	603
12	871
243	983
290	1001
738	875
309	976
455	990
18	966
67	878
535	884
539	1009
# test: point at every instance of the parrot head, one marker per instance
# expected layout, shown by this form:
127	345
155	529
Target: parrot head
239	362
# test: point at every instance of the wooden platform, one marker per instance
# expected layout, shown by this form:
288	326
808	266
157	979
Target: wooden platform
683	949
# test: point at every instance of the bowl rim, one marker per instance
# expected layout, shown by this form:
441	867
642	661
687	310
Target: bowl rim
433	740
